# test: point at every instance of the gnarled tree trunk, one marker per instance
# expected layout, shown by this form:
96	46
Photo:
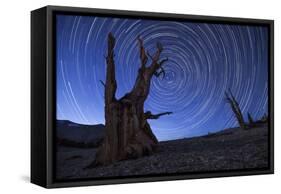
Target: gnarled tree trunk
128	134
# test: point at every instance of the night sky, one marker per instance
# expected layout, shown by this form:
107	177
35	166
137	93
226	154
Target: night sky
204	61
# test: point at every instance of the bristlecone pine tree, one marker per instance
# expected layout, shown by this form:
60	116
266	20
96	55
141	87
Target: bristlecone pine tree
128	134
235	108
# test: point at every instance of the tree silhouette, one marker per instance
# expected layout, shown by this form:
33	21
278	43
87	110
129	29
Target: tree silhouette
235	108
250	119
128	134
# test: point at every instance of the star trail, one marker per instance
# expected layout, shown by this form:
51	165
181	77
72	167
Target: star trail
205	59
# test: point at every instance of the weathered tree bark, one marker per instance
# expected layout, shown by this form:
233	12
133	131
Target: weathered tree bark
235	108
128	134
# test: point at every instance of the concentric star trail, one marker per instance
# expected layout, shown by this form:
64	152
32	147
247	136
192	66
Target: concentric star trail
204	61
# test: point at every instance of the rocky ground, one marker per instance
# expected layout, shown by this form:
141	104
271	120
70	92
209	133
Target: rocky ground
226	150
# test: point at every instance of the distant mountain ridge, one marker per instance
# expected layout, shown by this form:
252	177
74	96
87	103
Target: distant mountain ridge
73	134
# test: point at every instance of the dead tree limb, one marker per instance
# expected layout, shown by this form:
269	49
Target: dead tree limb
149	115
250	119
235	108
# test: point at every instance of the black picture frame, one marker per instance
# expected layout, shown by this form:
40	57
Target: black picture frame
43	94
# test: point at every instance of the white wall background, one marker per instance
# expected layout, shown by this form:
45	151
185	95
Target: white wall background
15	95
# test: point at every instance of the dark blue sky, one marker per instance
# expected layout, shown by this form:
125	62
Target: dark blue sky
204	61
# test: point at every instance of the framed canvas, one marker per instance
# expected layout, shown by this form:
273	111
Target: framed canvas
125	96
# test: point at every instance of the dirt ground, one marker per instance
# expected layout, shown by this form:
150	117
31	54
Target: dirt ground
226	150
